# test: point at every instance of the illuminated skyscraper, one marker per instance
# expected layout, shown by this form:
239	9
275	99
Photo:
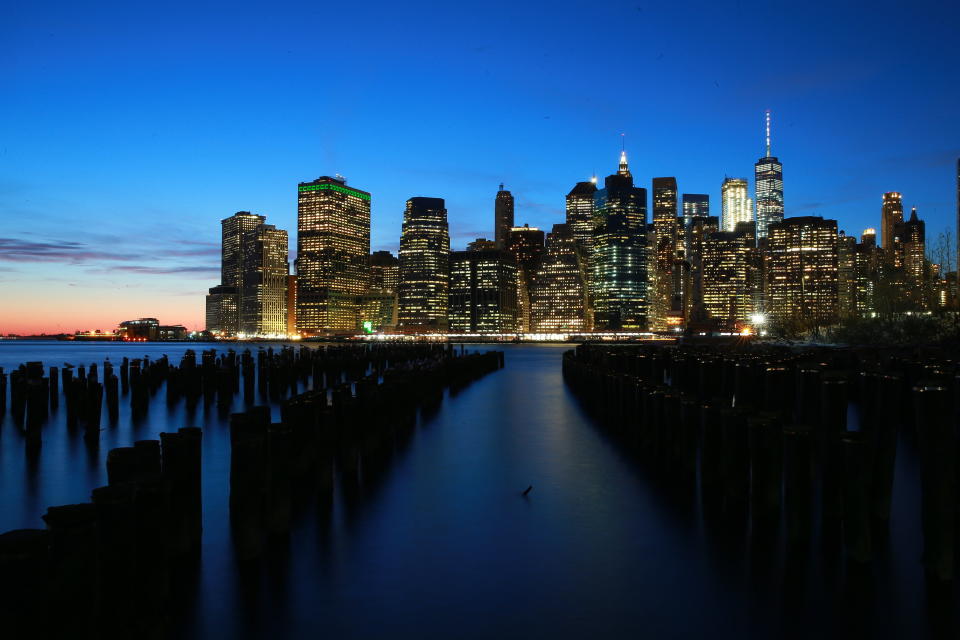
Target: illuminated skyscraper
481	244
291	305
891	214
768	182
736	205
803	270
699	229
502	216
380	303
424	266
912	244
263	291
333	249
235	230
483	291
384	271
727	290
221	307
526	245
666	292
580	213
559	293
619	260
695	205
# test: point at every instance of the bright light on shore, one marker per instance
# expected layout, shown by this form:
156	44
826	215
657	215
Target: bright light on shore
758	319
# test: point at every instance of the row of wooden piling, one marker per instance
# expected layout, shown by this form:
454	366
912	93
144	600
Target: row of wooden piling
103	569
763	433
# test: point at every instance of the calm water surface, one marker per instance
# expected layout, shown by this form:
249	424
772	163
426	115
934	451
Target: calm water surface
443	545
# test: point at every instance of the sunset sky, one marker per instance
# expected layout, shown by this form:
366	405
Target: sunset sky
127	132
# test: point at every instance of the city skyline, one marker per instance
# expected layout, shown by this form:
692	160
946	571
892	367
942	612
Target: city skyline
145	163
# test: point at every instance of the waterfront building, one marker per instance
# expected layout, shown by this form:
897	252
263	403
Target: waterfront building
235	230
857	265
483	291
424	266
502	216
333	249
803	266
695	205
379	307
891	215
384	271
911	242
768	183
221	310
263	289
526	243
558	299
727	278
698	230
619	257
580	203
736	205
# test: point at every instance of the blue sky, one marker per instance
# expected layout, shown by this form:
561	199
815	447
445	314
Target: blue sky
127	132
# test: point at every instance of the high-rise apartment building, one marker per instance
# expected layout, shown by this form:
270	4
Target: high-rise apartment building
483	291
424	266
263	290
803	266
333	249
619	259
559	294
891	214
736	205
768	182
695	205
502	216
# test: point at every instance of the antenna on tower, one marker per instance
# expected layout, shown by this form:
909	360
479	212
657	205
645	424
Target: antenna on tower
768	132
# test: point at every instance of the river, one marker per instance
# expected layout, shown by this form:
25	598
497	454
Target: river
445	546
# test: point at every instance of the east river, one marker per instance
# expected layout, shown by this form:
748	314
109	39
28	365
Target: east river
443	544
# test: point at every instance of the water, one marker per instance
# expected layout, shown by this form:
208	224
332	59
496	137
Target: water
444	545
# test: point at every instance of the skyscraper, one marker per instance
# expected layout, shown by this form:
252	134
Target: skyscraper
727	291
221	310
526	245
768	182
891	214
483	291
912	244
333	249
559	293
502	216
380	303
263	289
736	205
695	205
580	213
665	295
803	270
424	266
619	260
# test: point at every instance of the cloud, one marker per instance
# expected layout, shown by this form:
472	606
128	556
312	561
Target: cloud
157	271
18	250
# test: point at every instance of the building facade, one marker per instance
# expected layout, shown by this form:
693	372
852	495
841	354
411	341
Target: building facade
803	271
736	205
526	244
665	284
558	299
221	310
483	291
263	292
424	283
502	216
695	205
619	260
891	215
333	248
727	278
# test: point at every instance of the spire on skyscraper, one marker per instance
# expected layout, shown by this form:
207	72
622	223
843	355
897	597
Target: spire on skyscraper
768	133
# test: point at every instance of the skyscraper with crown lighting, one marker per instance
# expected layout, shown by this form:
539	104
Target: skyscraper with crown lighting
768	183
